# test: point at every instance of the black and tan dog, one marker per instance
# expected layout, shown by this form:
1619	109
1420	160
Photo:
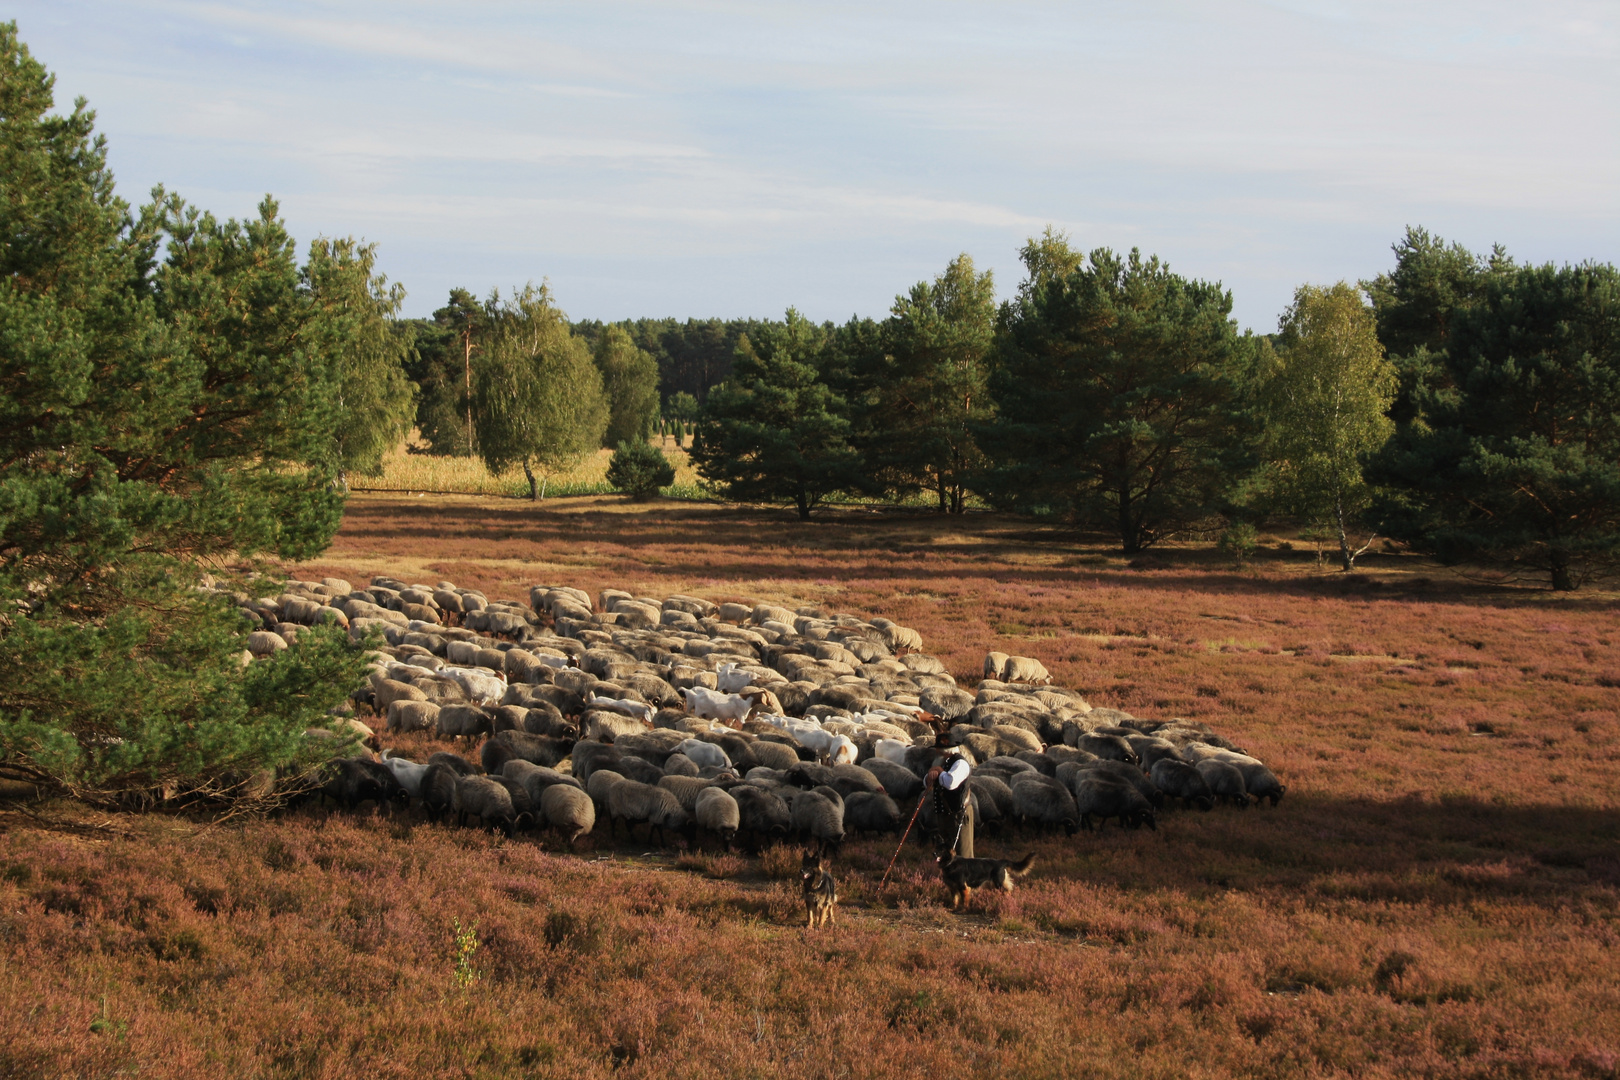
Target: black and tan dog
962	876
820	890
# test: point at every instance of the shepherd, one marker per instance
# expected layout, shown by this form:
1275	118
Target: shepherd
953	804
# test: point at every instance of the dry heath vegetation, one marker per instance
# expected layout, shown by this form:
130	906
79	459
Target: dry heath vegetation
1437	896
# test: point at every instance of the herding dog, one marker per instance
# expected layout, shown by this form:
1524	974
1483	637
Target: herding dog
820	890
962	876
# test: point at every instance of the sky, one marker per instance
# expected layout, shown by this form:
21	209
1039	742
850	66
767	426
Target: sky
697	159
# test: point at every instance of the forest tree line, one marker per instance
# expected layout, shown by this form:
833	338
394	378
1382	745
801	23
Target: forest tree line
1463	404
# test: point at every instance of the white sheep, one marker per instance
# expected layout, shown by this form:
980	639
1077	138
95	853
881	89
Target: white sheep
891	750
638	709
716	706
705	754
730	678
483	686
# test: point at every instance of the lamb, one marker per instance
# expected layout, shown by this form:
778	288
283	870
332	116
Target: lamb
569	810
1225	781
717	812
1178	780
818	816
486	799
632	802
871	812
1043	800
705	754
1105	796
762	814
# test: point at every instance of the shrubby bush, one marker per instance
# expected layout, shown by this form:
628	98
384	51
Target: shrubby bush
639	469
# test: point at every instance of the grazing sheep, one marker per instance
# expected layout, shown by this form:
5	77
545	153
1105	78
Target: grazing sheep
351	781
1258	780
523	805
632	803
716	811
773	755
1017	737
1044	801
463	721
1104	796
587	757
536	778
1128	773
705	754
899	782
1037	761
387	691
686	789
604	725
1108	747
1178	780
406	715
568	810
455	762
482	687
680	765
762	814
544	718
818	816
598	786
639	769
507	718
520	744
640	710
994	664
872	812
408	773
438	789
486	799
1024	669
1225	781
993	798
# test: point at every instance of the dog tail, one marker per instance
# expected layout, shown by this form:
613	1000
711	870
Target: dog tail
1021	867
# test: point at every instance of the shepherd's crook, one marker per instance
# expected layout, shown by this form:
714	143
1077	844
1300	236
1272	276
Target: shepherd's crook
903	836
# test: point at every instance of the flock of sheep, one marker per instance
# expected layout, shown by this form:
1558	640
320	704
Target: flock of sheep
741	724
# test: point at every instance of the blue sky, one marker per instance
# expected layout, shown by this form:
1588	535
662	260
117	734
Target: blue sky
713	158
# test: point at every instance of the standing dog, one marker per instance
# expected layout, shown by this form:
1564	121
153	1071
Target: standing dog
962	876
820	890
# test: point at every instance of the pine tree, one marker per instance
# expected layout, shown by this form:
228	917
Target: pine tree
1121	388
152	414
775	431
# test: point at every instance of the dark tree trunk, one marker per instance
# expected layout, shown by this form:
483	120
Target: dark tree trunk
534	492
944	503
1129	536
803	501
1558	564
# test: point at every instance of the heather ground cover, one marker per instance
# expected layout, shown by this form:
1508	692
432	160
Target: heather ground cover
1437	895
